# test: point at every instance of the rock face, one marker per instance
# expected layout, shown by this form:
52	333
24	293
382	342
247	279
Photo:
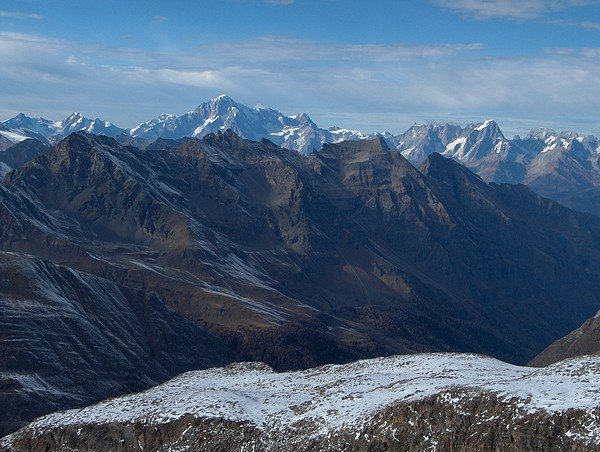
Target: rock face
419	402
585	340
70	338
299	262
267	238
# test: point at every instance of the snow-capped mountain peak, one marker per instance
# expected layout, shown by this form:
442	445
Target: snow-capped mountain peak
476	141
541	133
299	132
220	105
489	127
485	124
296	132
76	122
22	123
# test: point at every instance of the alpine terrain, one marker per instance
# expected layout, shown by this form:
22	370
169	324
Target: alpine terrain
560	166
125	266
344	253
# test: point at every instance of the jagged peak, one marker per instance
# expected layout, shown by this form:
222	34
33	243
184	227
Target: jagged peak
486	124
223	99
72	118
220	99
541	133
303	118
488	128
217	105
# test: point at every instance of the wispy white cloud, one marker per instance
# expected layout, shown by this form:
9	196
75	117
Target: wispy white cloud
19	15
371	86
585	52
273	48
585	24
510	9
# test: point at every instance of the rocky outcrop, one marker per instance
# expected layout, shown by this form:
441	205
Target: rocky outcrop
479	423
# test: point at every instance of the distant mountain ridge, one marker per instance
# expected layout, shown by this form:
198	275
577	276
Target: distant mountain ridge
561	166
297	132
53	130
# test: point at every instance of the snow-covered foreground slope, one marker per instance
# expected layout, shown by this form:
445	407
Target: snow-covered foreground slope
322	403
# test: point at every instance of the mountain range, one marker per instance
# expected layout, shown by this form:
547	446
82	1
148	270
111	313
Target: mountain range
257	253
560	166
297	132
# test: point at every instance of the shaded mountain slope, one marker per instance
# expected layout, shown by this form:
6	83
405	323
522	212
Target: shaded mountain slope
585	340
354	242
70	338
23	151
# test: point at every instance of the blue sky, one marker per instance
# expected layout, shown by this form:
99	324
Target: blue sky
377	65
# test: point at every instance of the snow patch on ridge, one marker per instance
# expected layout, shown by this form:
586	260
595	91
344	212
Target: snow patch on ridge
484	124
13	136
338	396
